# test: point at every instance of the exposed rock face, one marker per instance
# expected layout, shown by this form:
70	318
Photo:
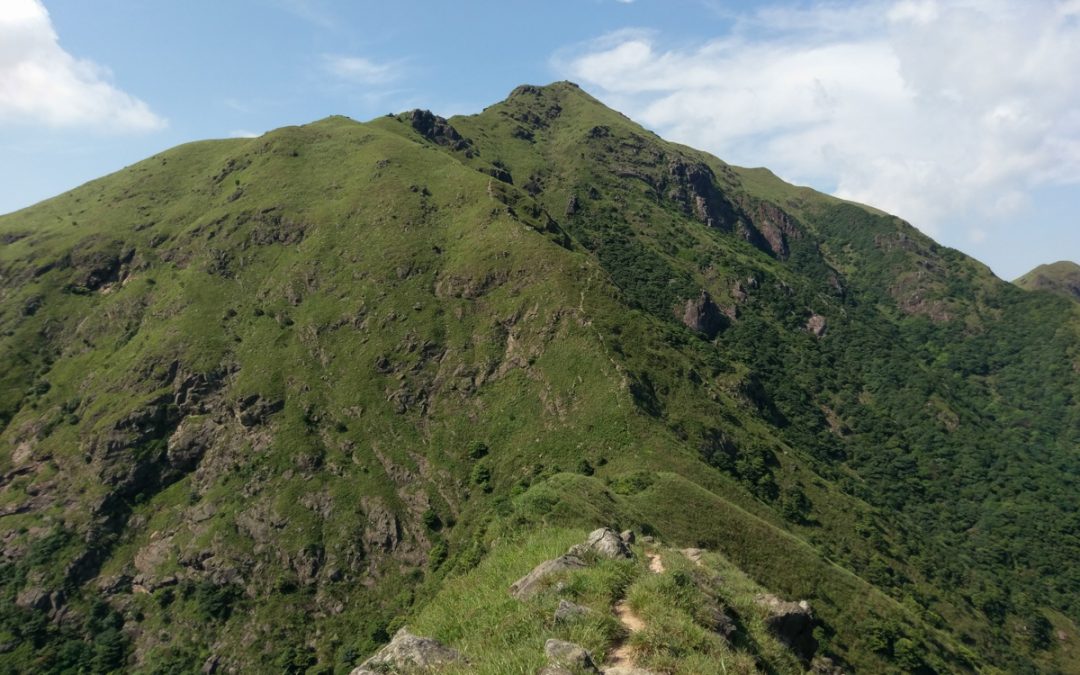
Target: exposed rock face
408	653
605	543
437	129
40	599
189	443
530	584
792	623
95	269
113	584
817	325
254	410
694	187
704	316
567	657
775	227
383	530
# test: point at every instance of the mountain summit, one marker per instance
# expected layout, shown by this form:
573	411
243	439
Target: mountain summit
266	402
1061	277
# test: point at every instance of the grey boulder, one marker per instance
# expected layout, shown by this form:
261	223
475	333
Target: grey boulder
530	584
408	653
567	657
603	543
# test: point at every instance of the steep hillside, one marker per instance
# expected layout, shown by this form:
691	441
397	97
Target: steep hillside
266	401
1061	277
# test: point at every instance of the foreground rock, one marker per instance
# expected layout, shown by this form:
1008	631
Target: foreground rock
533	582
569	611
567	658
408	653
792	623
601	543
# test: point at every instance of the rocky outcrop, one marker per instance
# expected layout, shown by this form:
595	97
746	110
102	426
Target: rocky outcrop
602	543
95	270
255	410
437	129
792	623
533	107
567	658
774	227
693	187
39	599
188	444
569	611
817	325
533	582
382	532
704	316
408	653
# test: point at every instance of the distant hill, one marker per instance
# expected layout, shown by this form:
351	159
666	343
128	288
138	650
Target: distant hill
1061	277
264	402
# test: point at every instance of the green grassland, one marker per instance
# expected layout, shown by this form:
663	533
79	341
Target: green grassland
263	401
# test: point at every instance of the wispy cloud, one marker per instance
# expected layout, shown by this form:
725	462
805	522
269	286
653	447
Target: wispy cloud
360	70
311	11
244	133
41	84
925	108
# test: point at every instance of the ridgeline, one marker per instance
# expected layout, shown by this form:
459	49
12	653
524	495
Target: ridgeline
266	402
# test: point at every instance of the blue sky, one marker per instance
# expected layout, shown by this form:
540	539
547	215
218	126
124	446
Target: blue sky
961	116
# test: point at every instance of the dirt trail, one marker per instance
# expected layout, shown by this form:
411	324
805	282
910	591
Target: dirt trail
623	654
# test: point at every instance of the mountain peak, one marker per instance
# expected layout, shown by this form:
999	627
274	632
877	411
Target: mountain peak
1062	278
558	94
364	375
562	86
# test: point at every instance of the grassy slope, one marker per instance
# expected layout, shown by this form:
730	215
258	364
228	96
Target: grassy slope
403	305
1062	278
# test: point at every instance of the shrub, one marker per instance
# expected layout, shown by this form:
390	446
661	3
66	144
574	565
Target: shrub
481	475
478	450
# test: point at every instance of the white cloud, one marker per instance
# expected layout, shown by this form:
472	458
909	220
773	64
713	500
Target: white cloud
928	109
40	83
244	133
312	11
360	70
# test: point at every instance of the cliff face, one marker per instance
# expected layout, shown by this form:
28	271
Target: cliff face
266	400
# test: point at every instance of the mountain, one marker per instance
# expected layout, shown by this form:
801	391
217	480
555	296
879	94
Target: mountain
1061	277
267	401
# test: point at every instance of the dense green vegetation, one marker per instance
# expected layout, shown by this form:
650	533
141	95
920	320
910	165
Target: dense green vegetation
265	401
